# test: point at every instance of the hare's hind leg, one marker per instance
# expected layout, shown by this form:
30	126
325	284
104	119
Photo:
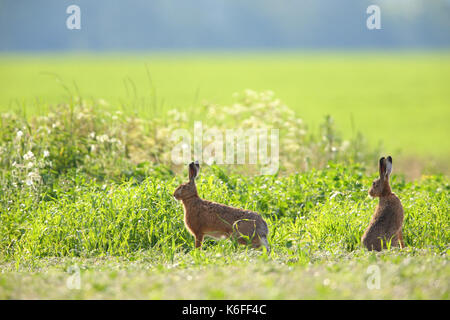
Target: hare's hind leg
400	239
376	245
256	242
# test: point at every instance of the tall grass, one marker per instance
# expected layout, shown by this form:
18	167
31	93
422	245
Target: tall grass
323	210
90	186
82	181
82	138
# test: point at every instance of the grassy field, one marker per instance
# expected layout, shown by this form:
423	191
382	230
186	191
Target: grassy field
129	241
86	206
399	99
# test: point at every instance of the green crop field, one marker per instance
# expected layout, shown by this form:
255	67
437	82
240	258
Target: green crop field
400	100
86	205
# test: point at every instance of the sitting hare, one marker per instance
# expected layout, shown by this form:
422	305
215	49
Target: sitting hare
206	218
386	223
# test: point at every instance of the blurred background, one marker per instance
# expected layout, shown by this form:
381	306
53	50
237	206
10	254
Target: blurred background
222	25
388	86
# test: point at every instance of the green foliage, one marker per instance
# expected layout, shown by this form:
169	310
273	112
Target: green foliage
322	210
76	140
80	140
300	147
129	241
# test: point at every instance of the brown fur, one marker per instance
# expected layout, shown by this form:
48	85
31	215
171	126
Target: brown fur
205	218
386	223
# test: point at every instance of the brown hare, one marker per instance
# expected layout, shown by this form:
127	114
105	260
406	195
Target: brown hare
205	218
386	223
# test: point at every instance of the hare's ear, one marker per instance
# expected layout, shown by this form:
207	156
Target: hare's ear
382	167
197	167
194	167
388	166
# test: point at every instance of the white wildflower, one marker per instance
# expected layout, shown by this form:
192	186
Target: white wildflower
80	116
28	156
46	153
19	134
103	138
345	145
32	177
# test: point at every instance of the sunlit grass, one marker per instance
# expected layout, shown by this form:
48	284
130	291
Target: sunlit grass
89	185
410	274
129	241
398	99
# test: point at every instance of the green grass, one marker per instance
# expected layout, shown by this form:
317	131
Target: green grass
129	240
86	188
327	209
238	275
399	99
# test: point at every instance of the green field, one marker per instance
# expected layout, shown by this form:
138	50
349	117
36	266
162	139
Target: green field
87	179
399	99
129	241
